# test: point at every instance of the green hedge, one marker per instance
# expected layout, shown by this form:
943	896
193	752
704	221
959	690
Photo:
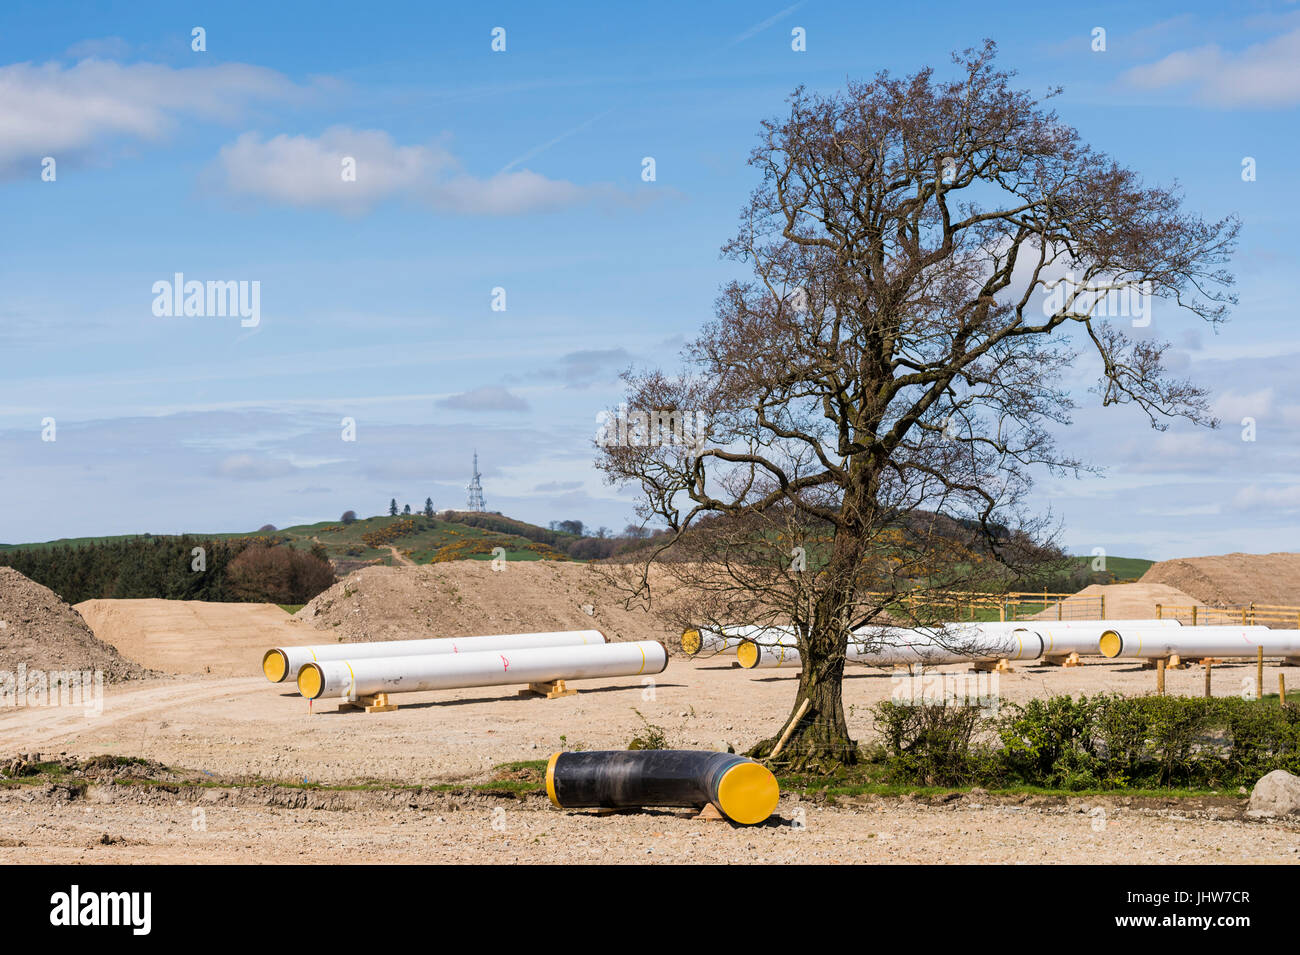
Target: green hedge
1102	742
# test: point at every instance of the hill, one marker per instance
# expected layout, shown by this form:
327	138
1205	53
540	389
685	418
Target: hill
417	539
414	538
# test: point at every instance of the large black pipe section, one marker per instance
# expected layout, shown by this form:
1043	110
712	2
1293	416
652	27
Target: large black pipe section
742	790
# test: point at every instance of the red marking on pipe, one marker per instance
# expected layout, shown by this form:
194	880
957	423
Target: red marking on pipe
505	664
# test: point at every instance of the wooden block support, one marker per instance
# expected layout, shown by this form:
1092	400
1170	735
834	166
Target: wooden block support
709	814
1175	663
989	666
378	703
1068	660
549	690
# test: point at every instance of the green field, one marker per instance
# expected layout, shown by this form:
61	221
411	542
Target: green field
1123	569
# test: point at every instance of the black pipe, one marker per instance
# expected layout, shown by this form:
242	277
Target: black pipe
742	790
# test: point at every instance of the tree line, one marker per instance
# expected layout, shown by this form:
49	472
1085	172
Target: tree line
252	569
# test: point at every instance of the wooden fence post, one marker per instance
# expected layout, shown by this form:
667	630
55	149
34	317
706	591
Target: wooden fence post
1259	673
1208	667
1193	615
1160	677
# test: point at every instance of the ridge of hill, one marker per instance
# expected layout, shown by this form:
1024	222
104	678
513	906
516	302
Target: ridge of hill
452	535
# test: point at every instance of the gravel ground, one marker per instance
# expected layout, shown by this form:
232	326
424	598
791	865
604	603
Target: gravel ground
242	727
879	830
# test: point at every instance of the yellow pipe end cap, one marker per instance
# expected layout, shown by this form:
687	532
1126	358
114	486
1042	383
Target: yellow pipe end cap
691	642
748	653
310	681
748	793
550	780
1110	644
274	665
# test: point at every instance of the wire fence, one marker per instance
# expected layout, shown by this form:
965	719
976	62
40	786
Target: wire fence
1278	616
1021	605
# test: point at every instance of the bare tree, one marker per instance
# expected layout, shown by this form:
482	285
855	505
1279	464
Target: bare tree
928	259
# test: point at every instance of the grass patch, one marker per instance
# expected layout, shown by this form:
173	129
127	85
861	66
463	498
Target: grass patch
870	779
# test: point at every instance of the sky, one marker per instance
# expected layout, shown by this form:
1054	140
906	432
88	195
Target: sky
379	357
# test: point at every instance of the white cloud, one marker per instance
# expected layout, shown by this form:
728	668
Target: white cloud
1254	497
104	48
487	398
308	171
58	110
1264	74
1232	406
248	467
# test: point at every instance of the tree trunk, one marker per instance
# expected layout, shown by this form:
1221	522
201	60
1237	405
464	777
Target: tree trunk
820	742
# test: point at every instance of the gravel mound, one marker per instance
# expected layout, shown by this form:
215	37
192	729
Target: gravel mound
38	629
1233	580
468	598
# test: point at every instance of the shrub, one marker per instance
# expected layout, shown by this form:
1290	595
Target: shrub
1104	742
279	575
929	744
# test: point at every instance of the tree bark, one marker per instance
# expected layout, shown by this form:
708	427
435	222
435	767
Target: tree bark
820	742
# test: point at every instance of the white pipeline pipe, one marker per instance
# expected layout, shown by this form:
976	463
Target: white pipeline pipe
366	677
283	663
707	641
1192	642
1063	637
885	646
1060	637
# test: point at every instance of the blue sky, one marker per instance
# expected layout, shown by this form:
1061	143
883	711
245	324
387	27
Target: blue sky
521	170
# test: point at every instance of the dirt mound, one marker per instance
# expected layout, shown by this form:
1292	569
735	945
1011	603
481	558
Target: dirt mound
38	629
467	597
195	636
1123	601
1232	580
